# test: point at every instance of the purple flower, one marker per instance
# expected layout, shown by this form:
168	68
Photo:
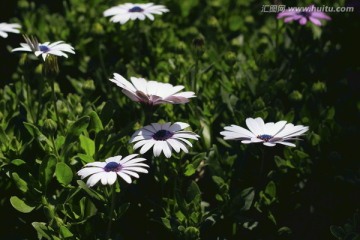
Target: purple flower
303	15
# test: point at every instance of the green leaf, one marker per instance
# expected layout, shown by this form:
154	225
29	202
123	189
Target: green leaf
180	216
18	162
87	145
337	232
36	133
284	231
122	210
192	233
87	208
270	189
107	112
218	180
247	195
315	139
79	126
20	183
166	223
65	232
73	132
63	173
42	230
20	205
330	114
271	217
235	22
189	170
47	169
95	122
205	133
3	137
85	158
193	192
186	6
91	192
59	142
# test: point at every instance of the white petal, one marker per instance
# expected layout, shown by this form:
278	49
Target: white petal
178	126
166	149
136	169
256	140
287	144
269	144
133	174
276	128
127	158
253	126
141	143
111	178
93	179
184	140
125	177
140	84
147	146
114	159
180	145
183	135
96	164
135	160
156	126
174	144
158	147
85	172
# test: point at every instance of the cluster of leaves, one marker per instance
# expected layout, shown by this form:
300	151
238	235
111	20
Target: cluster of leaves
240	63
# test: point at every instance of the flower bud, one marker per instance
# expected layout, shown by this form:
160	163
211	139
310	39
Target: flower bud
319	87
296	95
230	58
49	127
51	67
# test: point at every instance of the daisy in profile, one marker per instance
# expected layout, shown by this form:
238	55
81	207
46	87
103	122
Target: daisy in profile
44	49
9	27
310	14
163	138
267	133
151	92
130	11
113	167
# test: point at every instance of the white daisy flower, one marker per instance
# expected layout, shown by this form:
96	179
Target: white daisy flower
108	171
269	134
44	49
151	92
163	138
8	27
124	12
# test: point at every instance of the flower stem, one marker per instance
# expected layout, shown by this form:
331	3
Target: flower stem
111	211
195	75
55	106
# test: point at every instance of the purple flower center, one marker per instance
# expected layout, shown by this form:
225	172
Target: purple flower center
112	167
265	137
136	9
163	135
305	14
44	48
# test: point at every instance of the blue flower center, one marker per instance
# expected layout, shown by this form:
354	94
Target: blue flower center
44	48
265	137
136	9
112	167
305	14
162	135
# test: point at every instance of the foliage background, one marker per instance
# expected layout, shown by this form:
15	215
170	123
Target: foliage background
250	65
